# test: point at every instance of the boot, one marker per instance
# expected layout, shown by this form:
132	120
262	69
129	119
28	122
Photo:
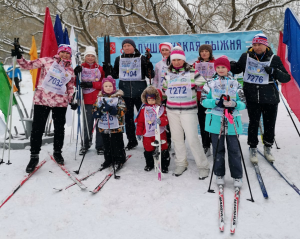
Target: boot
83	151
165	161
238	183
268	154
179	170
34	160
220	180
149	160
203	173
253	155
131	145
100	151
58	158
207	151
105	165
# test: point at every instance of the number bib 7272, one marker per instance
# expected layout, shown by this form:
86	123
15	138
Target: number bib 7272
56	79
255	71
179	87
130	69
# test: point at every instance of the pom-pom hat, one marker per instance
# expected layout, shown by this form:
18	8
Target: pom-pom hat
165	45
64	47
89	50
222	61
177	53
111	80
261	39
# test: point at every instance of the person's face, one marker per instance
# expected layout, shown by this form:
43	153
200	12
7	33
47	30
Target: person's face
177	62
128	48
204	54
108	87
150	101
165	52
259	48
65	55
221	70
90	59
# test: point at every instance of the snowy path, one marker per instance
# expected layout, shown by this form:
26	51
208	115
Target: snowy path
138	205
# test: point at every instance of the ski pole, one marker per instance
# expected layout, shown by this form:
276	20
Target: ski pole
286	107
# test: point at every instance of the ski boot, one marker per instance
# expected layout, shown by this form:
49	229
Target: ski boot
34	160
58	158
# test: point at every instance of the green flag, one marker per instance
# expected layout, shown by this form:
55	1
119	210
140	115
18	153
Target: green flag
5	87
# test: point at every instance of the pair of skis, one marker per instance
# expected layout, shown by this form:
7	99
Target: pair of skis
235	209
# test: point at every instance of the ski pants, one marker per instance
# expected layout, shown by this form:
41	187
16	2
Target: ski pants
114	150
185	123
269	113
148	140
129	116
40	117
17	83
234	155
90	123
206	140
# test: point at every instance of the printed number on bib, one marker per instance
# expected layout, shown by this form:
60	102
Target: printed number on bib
130	73
104	118
178	90
255	79
55	81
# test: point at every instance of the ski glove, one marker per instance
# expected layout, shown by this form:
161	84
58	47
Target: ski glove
158	121
106	107
16	51
85	85
229	104
74	106
269	70
139	137
97	114
77	70
219	103
113	110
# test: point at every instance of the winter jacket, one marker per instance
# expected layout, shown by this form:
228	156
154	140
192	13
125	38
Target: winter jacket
186	106
90	98
201	87
213	121
121	106
42	96
266	94
133	89
159	74
17	73
140	120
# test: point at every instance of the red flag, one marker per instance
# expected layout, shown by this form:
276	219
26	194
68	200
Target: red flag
290	90
49	45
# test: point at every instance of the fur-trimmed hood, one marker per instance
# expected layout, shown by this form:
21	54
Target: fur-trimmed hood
118	93
151	90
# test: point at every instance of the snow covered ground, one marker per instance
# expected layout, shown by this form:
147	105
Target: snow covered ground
138	205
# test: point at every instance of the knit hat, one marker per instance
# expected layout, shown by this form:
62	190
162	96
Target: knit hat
222	61
260	38
165	45
89	50
64	47
129	41
177	53
111	80
205	47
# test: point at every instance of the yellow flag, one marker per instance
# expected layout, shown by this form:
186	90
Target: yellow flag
33	56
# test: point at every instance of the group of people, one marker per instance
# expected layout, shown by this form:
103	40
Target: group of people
205	93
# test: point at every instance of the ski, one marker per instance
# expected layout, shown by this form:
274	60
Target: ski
221	208
281	174
106	64
235	210
107	177
76	180
22	182
260	181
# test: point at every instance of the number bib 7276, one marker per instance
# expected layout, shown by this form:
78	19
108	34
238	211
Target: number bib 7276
255	71
130	69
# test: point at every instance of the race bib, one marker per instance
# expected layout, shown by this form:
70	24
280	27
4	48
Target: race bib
108	121
90	75
130	69
56	79
150	120
255	72
206	69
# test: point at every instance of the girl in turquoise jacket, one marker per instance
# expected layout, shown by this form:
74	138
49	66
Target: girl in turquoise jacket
211	98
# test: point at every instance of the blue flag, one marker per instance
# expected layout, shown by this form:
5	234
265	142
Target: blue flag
66	37
58	31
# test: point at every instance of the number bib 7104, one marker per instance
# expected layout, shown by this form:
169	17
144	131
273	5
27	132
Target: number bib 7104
130	69
179	87
56	79
255	72
108	121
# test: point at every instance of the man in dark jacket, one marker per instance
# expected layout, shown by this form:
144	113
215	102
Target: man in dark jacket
131	68
261	68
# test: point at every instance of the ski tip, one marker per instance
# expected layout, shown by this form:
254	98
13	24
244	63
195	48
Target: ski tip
222	229
232	231
58	190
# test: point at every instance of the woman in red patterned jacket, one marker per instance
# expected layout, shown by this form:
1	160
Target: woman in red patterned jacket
54	92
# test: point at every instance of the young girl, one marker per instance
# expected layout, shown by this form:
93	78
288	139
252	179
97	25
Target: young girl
224	84
180	88
110	109
54	92
146	124
205	66
91	77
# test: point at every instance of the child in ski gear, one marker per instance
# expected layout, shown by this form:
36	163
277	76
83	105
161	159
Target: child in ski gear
54	92
110	109
180	87
146	125
261	68
17	77
91	77
205	67
223	95
131	68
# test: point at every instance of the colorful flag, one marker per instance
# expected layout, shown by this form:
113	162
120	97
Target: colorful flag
289	53
74	46
66	37
33	56
59	35
49	45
